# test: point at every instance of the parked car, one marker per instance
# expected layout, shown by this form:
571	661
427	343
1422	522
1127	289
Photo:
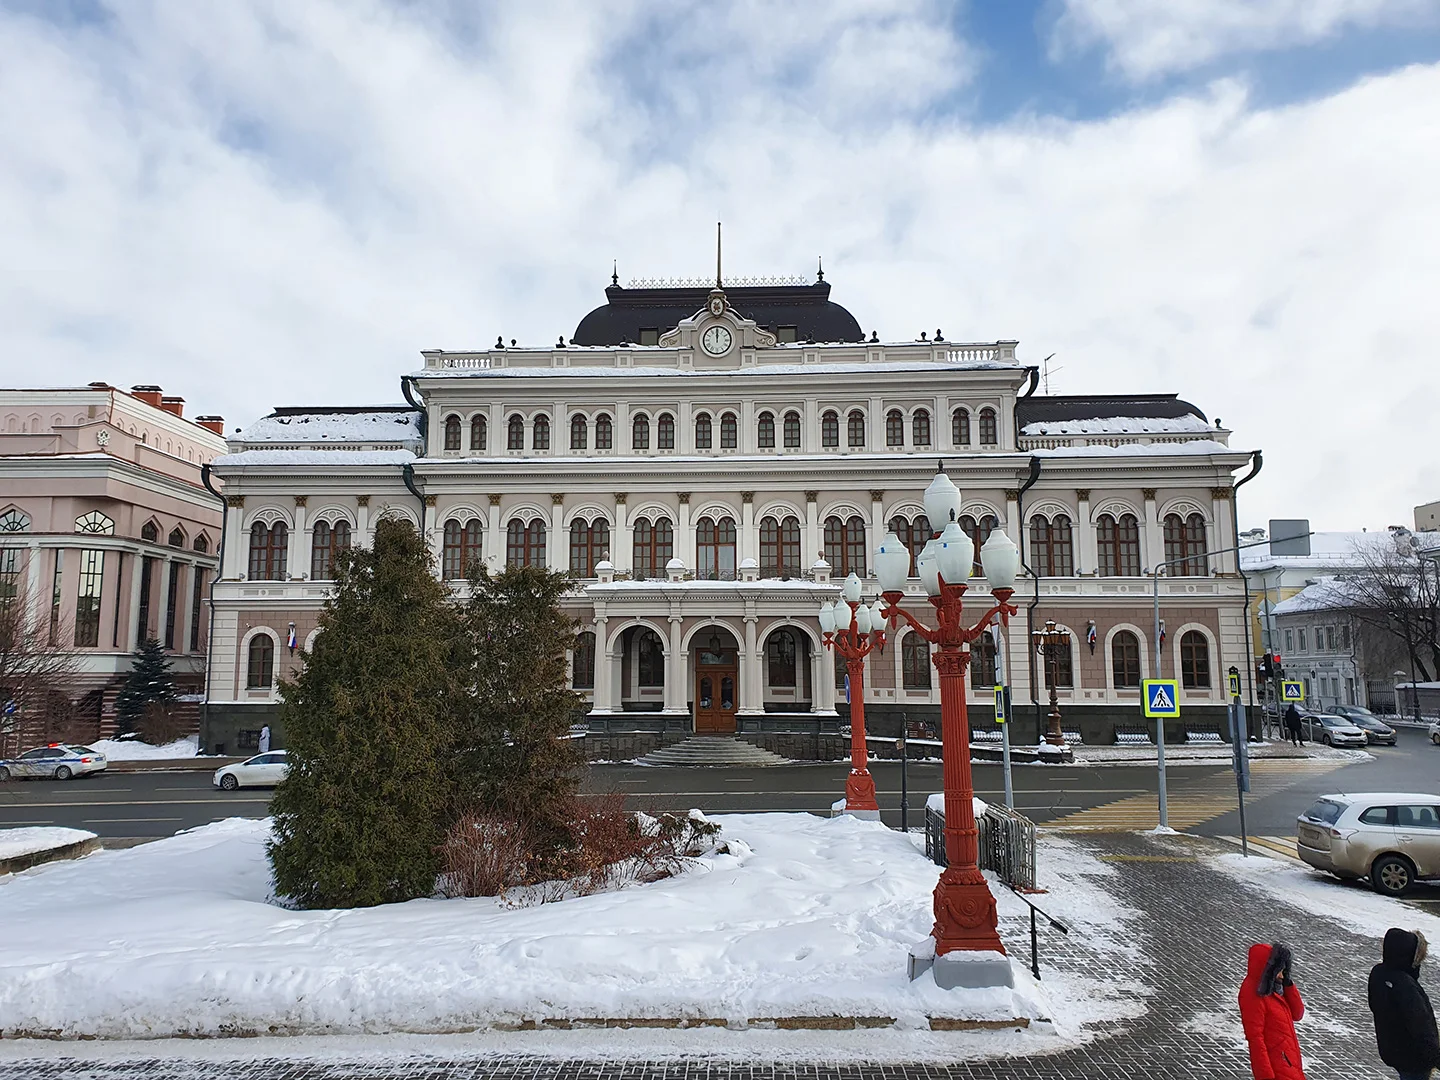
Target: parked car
1391	838
1376	730
1331	730
1435	732
58	761
262	770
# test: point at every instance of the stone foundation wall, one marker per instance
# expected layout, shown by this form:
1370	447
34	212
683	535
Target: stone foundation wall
800	745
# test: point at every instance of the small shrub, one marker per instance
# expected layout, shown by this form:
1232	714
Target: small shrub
160	724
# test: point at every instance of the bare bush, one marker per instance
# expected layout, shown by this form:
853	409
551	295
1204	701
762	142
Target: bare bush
161	724
36	673
484	855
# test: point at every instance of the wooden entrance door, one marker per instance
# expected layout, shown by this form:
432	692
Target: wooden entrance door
716	692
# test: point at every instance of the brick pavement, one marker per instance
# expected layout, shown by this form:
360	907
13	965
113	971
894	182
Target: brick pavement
1194	935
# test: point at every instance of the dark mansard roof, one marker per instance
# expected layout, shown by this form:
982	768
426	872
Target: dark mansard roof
627	311
1050	410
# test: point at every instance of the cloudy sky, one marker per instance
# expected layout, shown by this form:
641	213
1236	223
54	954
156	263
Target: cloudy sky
263	202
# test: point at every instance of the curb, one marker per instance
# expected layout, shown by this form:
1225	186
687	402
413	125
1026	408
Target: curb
772	1023
208	764
38	858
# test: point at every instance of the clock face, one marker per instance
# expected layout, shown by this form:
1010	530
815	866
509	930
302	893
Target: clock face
716	340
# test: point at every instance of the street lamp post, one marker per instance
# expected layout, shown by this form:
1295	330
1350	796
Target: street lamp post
1049	641
965	918
853	634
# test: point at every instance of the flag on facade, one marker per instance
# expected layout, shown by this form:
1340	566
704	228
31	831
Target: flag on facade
1162	633
290	641
1090	636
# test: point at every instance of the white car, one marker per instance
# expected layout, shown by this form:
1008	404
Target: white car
58	761
262	770
1435	732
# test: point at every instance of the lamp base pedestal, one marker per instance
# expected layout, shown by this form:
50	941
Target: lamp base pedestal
959	970
860	792
839	809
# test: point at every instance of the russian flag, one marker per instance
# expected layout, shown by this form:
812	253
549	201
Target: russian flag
1162	633
291	640
1090	636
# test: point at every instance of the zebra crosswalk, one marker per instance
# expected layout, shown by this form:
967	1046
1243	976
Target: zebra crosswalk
1280	847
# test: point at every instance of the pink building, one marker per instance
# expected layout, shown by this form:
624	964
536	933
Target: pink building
107	528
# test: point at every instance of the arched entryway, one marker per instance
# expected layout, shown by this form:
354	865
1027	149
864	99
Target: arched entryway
717	680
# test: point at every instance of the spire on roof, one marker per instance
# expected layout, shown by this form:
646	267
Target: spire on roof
819	268
615	272
718	283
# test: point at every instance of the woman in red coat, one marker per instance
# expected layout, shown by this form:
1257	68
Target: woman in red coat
1269	1007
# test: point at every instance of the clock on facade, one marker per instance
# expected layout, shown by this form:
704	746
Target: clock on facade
716	340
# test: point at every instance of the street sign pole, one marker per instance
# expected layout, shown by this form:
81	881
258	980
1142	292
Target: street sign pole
1002	714
904	778
1239	753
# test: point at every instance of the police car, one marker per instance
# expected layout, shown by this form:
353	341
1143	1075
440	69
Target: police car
58	761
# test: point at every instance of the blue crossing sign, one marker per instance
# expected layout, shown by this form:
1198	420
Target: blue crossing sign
1162	698
1000	716
1292	690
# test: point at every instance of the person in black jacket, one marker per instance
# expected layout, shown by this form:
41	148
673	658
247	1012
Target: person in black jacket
1292	725
1404	1019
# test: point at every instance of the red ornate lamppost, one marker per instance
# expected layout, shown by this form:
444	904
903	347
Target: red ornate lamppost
965	917
853	634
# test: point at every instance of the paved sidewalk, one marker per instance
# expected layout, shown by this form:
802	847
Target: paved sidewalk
1194	936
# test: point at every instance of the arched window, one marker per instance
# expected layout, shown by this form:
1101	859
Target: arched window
894	428
462	547
982	664
920	428
765	431
640	433
716	555
651	656
1125	660
149	532
97	523
579	433
1052	546
845	545
915	662
582	665
268	551
540	434
978	531
855	428
1185	539
13	521
604	432
202	543
960	427
654	547
989	429
176	538
665	432
780	658
525	544
589	546
792	431
260	666
478	433
702	431
452	433
1194	661
913	534
830	430
515	434
729	431
780	548
321	551
1118	541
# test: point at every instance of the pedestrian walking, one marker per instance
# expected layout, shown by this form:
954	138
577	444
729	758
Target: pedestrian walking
1269	1007
1292	725
1404	1018
265	739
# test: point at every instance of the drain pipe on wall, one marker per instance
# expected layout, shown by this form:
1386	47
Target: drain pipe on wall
1035	601
205	475
1257	462
407	473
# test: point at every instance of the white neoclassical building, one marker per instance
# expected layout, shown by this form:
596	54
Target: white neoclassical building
709	463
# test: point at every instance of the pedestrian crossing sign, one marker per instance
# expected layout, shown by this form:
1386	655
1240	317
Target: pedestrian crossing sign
1000	716
1234	681
1162	698
1292	690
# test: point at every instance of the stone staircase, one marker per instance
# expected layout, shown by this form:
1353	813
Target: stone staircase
713	750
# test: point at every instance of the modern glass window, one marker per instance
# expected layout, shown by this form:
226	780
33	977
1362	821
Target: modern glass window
830	430
960	427
780	547
989	428
978	531
1185	540
87	602
479	436
604	432
765	431
702	432
855	428
525	544
982	664
845	545
729	431
716	555
665	432
582	665
260	668
894	428
540	434
452	433
920	428
780	658
915	662
197	600
579	433
1194	660
589	546
1052	546
1125	660
792	431
913	534
640	433
269	551
1118	540
462	547
651	659
654	547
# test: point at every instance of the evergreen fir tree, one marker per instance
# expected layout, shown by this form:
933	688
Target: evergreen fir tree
516	759
149	681
369	727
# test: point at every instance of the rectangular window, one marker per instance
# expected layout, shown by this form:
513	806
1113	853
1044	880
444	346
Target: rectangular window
649	335
1301	632
55	597
119	587
172	605
142	617
87	600
1345	636
1329	639
196	599
1289	640
787	334
9	574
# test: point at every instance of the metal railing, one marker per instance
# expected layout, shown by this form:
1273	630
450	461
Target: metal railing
1035	931
1006	844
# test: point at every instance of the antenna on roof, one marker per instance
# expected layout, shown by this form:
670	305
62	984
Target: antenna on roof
718	285
1046	369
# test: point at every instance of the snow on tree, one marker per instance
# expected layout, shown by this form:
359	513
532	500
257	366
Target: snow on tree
149	681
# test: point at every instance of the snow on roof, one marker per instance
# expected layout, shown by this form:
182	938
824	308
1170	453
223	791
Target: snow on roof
1118	425
332	459
1323	595
385	424
1328	550
856	368
1187	446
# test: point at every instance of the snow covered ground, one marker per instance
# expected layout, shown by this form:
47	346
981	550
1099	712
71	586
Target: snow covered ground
1209	754
801	916
135	750
36	838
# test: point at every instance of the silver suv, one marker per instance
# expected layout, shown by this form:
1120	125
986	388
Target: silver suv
1392	838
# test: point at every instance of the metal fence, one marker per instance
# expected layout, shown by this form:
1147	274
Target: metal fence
1006	842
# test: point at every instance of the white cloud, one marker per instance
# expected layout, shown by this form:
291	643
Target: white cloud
282	203
1148	38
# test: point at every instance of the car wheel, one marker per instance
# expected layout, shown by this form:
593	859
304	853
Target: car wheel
1391	875
1325	738
4	774
63	773
1435	738
228	782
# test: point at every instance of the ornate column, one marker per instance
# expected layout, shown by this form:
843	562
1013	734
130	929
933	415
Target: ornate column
494	539
817	681
434	538
1086	559
684	534
1013	524
677	694
32	573
186	596
604	694
1220	530
300	541
812	531
1154	535
877	524
622	543
237	544
557	543
752	693
749	542
362	520
162	609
